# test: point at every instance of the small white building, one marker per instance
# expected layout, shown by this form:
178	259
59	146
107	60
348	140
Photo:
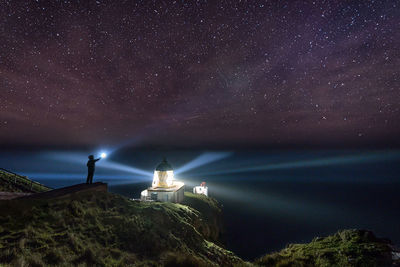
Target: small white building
202	189
164	187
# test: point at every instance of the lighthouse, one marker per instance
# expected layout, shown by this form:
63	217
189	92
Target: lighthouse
164	186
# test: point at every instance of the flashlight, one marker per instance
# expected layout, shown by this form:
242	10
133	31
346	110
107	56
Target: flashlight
103	155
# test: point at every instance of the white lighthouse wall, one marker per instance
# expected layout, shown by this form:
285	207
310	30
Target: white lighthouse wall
166	196
180	194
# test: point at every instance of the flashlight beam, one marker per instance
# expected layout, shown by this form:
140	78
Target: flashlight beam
124	168
69	176
79	158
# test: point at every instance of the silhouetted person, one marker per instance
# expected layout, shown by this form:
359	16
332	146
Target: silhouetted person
91	166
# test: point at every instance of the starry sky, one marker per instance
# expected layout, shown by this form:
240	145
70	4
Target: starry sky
199	73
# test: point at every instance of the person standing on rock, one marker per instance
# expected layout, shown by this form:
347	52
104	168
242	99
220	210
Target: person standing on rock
91	166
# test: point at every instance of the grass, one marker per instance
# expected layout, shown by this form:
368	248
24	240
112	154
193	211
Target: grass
345	248
104	229
10	182
210	212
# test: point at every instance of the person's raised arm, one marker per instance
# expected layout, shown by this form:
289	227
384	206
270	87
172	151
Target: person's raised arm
97	159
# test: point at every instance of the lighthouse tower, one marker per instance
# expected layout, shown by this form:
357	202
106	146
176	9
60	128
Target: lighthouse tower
164	186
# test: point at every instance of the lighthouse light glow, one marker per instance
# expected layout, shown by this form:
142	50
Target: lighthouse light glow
170	178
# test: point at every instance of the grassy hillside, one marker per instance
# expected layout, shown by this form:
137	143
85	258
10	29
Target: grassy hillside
209	223
345	248
106	230
10	182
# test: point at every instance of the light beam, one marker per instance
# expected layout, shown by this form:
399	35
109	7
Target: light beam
203	159
342	160
80	158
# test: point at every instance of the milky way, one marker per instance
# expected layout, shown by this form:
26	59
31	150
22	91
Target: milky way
199	72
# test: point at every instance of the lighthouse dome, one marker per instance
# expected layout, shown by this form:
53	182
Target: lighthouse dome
164	166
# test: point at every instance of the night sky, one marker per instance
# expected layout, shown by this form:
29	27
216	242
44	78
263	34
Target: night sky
200	73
